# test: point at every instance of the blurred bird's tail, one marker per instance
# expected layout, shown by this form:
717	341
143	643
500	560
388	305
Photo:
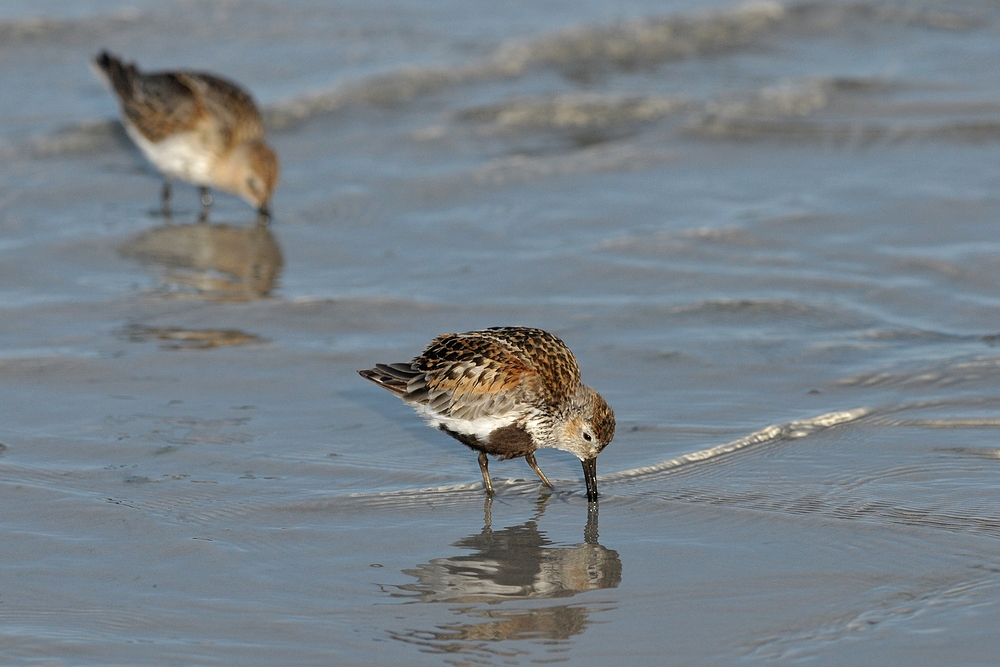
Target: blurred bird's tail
118	74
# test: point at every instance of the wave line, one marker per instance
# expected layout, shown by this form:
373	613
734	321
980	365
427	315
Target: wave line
770	434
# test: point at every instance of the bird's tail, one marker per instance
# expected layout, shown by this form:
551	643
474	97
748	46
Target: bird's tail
394	377
118	74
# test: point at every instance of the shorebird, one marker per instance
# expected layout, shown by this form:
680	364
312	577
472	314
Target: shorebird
195	127
506	392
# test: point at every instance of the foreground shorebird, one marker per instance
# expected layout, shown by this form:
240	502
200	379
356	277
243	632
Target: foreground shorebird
505	391
197	128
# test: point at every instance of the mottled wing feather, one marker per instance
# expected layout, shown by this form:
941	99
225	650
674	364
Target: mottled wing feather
556	366
160	106
231	107
393	377
468	377
483	373
461	377
157	105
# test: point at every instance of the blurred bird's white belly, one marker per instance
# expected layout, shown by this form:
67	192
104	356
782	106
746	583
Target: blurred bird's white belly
179	156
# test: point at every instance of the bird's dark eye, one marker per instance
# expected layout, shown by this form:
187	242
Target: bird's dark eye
586	436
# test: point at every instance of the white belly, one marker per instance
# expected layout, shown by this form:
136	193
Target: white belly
180	156
480	428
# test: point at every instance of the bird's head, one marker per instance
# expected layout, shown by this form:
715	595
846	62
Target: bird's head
586	428
253	173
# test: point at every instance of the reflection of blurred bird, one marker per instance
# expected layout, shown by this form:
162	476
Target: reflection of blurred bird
505	391
218	261
197	128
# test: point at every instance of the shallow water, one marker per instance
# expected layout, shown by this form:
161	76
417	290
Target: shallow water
767	230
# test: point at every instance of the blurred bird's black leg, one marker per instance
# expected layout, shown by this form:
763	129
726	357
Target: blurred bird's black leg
206	203
484	467
530	458
165	200
264	214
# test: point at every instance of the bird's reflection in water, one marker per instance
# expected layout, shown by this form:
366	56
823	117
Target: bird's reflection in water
516	563
215	261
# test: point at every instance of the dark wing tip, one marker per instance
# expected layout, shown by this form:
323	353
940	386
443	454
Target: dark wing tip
386	380
372	374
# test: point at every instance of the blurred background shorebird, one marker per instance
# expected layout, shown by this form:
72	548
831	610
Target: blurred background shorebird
195	127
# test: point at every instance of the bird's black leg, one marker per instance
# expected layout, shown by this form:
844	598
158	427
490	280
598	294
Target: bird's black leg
165	200
483	466
530	458
206	203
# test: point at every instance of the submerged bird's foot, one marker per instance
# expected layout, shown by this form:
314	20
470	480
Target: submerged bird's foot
206	204
165	202
264	215
484	468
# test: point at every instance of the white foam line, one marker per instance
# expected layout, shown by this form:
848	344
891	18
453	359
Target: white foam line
457	489
455	492
790	431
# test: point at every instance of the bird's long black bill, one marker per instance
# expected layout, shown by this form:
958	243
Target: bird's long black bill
590	477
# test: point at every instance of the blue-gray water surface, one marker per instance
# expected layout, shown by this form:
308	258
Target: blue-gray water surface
767	230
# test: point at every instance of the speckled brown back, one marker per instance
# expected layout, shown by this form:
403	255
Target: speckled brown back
467	376
546	354
484	373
